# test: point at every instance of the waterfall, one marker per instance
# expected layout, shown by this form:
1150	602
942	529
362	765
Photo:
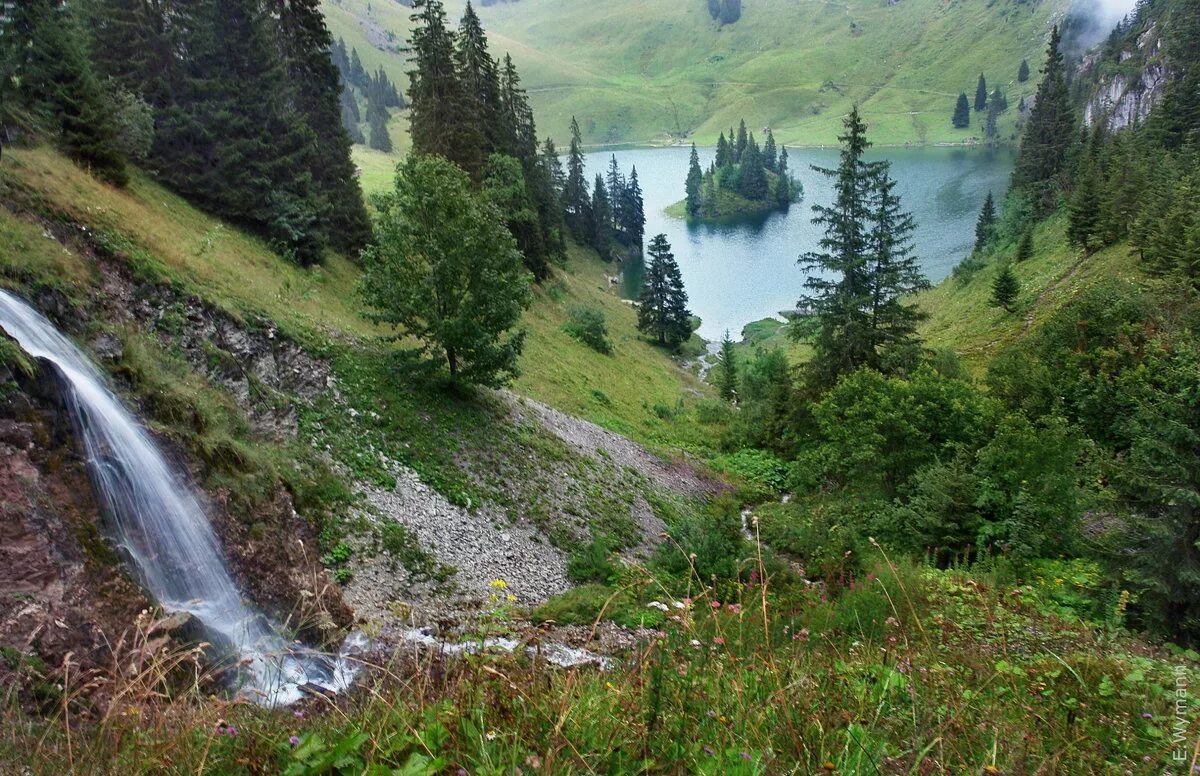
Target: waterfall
161	528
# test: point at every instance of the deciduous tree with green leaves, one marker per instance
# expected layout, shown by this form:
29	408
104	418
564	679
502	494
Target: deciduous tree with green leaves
445	271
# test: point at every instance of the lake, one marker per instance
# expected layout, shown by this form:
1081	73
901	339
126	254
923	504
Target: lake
744	269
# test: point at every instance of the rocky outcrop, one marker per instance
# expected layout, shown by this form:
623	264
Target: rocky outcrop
1126	90
63	596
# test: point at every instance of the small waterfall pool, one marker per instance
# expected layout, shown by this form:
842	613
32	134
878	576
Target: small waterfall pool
161	529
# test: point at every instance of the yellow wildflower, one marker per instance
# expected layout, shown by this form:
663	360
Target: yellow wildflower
499	584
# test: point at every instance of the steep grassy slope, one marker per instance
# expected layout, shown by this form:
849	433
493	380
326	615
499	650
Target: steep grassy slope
165	237
642	72
962	319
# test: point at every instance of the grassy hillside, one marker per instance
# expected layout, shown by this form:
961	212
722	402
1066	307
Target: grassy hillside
962	319
642	72
162	236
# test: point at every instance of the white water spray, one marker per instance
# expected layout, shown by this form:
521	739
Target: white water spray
161	528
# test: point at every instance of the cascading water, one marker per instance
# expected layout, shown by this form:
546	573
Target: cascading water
161	528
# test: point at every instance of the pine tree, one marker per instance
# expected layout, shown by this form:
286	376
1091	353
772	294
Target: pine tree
317	89
739	148
770	157
1005	289
575	191
633	212
1023	72
962	112
981	94
444	271
1049	132
1025	246
999	100
351	117
555	180
441	112
377	119
1177	119
985	226
480	76
44	65
602	233
662	305
727	377
695	179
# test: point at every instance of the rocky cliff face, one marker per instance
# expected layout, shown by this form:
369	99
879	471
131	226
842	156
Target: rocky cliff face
1129	86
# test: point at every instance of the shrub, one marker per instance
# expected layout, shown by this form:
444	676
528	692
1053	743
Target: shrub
587	324
592	562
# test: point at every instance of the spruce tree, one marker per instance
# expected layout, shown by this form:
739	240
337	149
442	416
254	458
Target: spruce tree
985	226
990	124
752	178
981	94
46	71
504	186
575	192
723	152
1049	132
962	112
316	88
695	180
480	76
1023	72
441	112
614	181
633	212
840	292
1005	289
770	156
662	305
129	44
727	364
358	73
1025	246
351	117
444	271
783	187
893	275
739	148
602	234
231	139
1083	212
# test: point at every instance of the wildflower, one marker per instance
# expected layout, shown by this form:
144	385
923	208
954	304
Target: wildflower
800	635
223	729
708	750
1147	715
294	740
733	608
490	735
719	640
891	622
695	642
744	755
498	584
829	766
679	605
298	714
711	714
512	599
659	605
715	604
461	772
533	761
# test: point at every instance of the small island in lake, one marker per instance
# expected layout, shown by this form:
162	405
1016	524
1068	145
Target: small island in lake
743	179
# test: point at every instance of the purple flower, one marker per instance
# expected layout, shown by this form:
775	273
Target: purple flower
294	740
744	755
298	714
1147	715
708	750
461	772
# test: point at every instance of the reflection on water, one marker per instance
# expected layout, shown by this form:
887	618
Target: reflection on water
742	269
